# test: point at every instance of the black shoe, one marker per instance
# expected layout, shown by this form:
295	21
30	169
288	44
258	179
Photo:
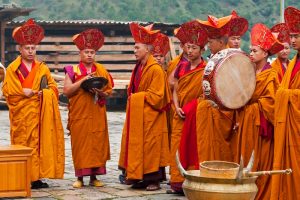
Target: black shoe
38	184
122	179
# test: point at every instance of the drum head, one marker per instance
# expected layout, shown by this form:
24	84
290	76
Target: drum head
94	82
235	81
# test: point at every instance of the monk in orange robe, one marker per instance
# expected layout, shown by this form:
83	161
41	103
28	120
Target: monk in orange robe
281	62
161	47
87	111
255	131
188	75
236	32
32	97
214	126
145	149
287	119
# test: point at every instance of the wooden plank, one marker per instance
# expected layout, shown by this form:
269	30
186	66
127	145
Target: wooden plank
76	58
74	48
106	39
107	66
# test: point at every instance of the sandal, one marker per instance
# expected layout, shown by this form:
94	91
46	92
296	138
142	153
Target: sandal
96	183
170	191
153	187
78	184
139	185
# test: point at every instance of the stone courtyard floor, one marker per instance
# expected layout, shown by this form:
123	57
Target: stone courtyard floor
62	189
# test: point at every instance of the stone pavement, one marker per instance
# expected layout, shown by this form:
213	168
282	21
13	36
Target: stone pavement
62	189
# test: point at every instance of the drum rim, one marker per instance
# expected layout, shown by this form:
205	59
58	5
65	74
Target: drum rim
229	55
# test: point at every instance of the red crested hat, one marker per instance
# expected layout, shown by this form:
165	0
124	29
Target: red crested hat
28	33
193	32
292	19
161	44
238	25
142	34
283	32
89	39
262	36
216	27
179	33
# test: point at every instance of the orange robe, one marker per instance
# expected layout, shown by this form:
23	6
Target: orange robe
144	147
88	126
214	129
251	119
287	137
35	121
189	88
276	64
171	68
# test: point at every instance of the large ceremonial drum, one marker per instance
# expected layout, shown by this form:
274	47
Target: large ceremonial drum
229	79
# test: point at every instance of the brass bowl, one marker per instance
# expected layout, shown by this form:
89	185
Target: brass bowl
219	169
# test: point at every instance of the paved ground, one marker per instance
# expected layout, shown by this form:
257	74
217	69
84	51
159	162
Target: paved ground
62	189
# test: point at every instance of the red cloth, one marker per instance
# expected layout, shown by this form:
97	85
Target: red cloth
188	143
135	79
266	127
89	39
295	69
90	171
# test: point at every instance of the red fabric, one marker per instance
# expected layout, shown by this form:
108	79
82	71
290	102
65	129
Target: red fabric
188	144
28	33
89	39
193	33
184	67
90	171
161	44
23	72
142	34
292	19
266	127
135	79
283	32
238	25
296	69
83	71
262	36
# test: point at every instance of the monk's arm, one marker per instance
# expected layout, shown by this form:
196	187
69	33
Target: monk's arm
70	88
171	80
178	110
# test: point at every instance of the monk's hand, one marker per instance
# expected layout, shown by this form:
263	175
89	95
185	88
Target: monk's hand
100	93
180	112
29	92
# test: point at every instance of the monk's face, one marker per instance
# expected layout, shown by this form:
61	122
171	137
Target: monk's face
257	54
285	52
87	56
234	42
295	41
194	51
28	52
160	59
141	51
215	45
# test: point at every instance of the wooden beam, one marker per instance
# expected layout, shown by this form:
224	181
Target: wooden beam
69	39
2	41
76	58
113	67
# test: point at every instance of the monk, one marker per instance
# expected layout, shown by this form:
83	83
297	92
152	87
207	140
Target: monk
214	126
161	47
186	89
145	149
281	62
287	119
239	27
87	121
32	98
255	131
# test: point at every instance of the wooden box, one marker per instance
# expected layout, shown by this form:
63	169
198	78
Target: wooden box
15	171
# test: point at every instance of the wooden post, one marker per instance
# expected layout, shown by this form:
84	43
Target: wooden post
2	41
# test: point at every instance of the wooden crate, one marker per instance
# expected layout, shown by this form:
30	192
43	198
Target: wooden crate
15	171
